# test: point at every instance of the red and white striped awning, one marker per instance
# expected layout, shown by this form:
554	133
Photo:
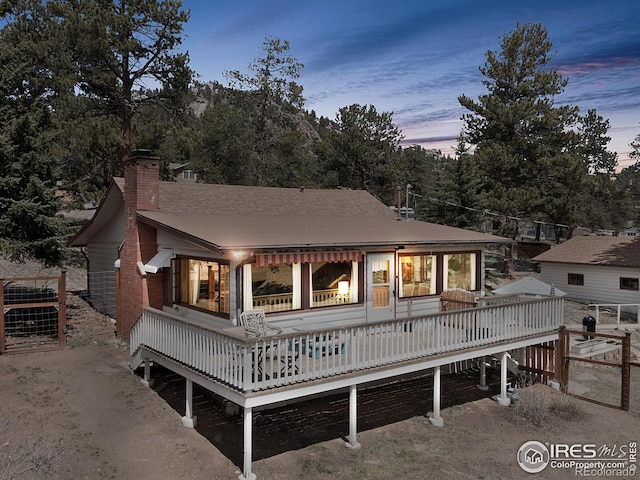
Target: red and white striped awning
264	259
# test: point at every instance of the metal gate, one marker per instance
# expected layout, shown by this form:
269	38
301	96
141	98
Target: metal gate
33	314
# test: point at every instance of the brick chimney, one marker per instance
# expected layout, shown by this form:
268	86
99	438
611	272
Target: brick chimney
137	289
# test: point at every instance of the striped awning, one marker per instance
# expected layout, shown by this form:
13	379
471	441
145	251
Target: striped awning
263	259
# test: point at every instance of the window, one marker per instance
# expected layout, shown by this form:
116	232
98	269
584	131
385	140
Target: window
627	283
459	271
575	279
295	286
418	275
431	274
333	283
203	284
273	288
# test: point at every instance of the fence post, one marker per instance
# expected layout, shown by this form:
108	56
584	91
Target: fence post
626	372
62	309
562	363
2	346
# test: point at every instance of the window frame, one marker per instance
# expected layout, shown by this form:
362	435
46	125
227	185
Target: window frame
576	279
439	258
355	296
176	267
633	281
305	289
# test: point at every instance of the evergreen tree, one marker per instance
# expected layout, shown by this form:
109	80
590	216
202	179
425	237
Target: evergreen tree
281	152
119	46
522	139
30	227
458	191
365	151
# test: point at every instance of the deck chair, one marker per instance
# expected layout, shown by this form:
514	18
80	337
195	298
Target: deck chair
256	326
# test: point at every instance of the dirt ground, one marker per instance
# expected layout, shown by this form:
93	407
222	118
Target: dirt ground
80	413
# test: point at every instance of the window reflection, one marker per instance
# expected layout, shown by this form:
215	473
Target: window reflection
204	284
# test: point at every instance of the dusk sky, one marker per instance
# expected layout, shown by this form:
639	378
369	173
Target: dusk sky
414	58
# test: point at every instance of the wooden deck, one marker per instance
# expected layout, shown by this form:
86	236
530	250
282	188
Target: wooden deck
239	367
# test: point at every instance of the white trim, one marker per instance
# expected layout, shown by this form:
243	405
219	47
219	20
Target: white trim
160	260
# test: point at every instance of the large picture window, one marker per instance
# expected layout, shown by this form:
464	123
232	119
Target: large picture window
295	286
431	274
273	287
418	275
460	271
204	284
333	283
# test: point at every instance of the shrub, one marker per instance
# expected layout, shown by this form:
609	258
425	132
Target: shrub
565	406
531	405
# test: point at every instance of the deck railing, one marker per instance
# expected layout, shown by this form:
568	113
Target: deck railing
280	302
246	364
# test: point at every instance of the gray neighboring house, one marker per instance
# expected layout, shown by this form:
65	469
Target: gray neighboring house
594	269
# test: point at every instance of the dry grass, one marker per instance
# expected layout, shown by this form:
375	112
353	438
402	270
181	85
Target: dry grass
531	407
537	404
36	459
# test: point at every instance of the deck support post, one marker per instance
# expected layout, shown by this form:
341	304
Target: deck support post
503	399
248	430
147	380
436	420
189	420
483	374
353	417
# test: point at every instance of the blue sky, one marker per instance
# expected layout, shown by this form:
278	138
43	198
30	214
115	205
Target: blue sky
414	58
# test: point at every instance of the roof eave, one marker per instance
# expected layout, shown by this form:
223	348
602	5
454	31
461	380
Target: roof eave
73	242
179	233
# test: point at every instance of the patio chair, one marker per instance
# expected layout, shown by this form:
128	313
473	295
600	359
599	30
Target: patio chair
256	326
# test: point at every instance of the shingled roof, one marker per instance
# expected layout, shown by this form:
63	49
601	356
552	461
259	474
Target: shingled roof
594	250
224	217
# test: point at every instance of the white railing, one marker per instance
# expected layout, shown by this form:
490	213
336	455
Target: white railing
280	302
293	358
618	307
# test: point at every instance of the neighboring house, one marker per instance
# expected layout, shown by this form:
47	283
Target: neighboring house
595	269
182	173
354	290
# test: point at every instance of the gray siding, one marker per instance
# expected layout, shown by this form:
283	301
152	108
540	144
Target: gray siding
601	283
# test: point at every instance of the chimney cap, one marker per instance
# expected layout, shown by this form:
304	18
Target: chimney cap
142	152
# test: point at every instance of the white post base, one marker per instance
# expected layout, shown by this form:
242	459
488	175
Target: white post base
505	402
437	422
190	422
484	388
147	383
252	476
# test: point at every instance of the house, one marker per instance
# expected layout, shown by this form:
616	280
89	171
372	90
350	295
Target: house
181	172
595	269
353	290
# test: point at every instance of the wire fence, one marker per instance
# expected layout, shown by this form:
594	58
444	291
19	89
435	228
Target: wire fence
101	292
32	314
